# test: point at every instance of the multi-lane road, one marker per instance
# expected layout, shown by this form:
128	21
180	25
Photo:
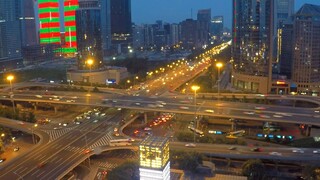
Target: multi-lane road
50	160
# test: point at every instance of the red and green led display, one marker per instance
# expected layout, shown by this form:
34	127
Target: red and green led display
49	21
70	7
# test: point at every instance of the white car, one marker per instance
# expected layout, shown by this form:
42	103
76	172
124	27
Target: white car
316	151
298	151
275	154
190	145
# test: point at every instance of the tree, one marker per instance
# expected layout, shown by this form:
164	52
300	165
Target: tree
254	169
127	170
189	161
31	117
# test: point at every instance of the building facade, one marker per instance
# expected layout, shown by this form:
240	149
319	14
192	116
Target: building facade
120	20
154	158
106	25
203	27
49	21
252	45
10	34
216	28
306	50
89	39
29	33
70	44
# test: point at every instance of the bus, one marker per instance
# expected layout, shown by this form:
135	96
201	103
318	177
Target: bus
271	127
121	142
237	133
197	131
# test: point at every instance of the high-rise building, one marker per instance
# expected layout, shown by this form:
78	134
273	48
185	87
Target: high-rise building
285	50
106	24
283	12
306	53
70	7
175	31
217	26
10	32
89	39
121	30
203	27
154	158
189	34
252	45
49	21
28	24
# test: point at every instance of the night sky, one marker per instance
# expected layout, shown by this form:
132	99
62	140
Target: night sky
175	11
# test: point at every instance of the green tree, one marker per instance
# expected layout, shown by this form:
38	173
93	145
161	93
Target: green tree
254	169
126	171
189	161
31	117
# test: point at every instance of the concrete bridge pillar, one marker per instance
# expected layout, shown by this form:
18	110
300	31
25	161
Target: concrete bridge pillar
145	118
55	109
35	106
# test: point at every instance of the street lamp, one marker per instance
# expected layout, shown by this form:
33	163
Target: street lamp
32	131
89	62
219	65
128	82
10	78
195	88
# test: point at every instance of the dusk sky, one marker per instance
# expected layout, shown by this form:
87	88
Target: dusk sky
175	11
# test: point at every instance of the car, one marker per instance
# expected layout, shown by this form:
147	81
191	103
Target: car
297	151
316	151
209	111
184	107
16	149
2	160
96	120
275	154
190	145
86	151
256	149
40	165
232	148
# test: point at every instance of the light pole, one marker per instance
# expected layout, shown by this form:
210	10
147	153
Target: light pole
195	89
219	65
89	62
128	82
32	131
10	78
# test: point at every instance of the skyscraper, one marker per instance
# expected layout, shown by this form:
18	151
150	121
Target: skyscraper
283	11
89	41
252	45
154	158
28	25
70	7
306	54
121	29
217	26
106	24
49	21
10	30
203	27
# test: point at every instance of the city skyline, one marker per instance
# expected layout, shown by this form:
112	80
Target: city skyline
178	10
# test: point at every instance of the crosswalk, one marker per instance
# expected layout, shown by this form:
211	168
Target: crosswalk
55	134
106	165
105	140
74	149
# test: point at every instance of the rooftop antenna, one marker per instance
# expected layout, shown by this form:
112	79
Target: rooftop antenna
191	13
